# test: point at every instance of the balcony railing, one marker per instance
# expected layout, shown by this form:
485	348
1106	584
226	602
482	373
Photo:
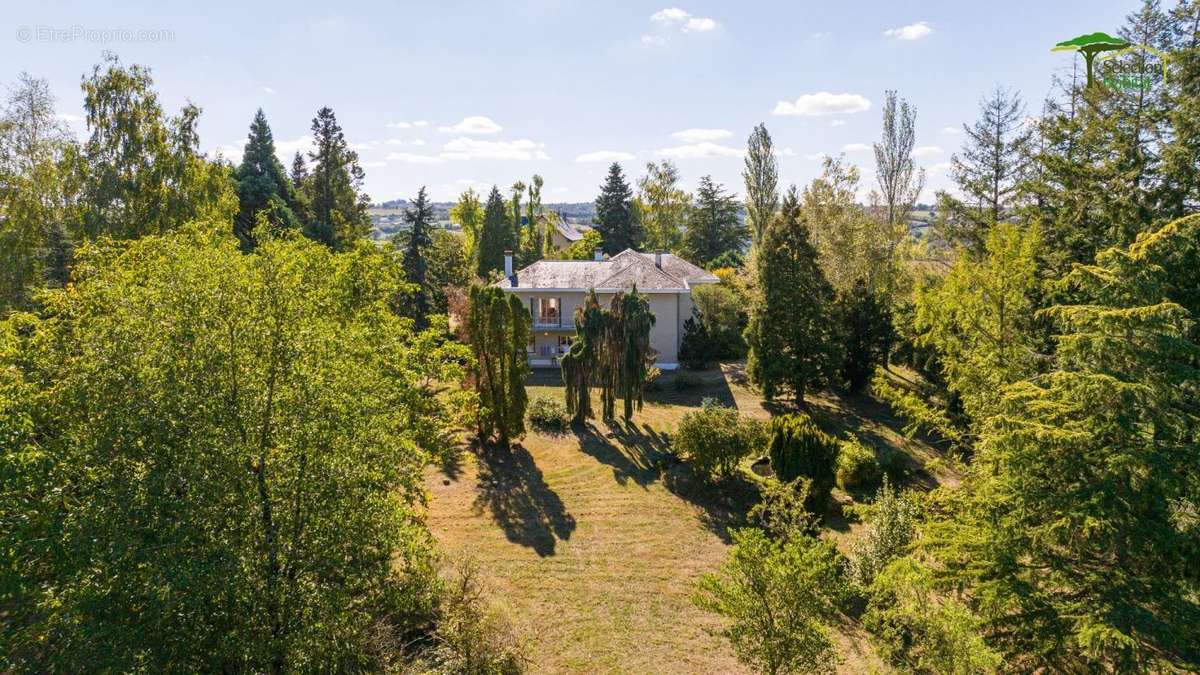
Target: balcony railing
548	322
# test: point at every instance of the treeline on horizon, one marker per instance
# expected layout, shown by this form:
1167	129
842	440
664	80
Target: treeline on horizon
218	396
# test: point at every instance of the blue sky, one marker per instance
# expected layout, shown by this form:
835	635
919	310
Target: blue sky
454	94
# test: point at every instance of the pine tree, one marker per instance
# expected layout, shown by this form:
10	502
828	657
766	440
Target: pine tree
987	172
498	324
791	332
262	186
416	248
866	333
762	181
339	208
1076	529
713	229
615	218
496	235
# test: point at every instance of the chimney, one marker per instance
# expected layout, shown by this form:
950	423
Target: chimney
598	254
658	259
508	272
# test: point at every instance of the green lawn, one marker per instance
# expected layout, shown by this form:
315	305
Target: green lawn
593	539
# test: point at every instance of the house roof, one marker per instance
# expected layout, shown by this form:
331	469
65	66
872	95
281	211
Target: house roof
567	230
622	271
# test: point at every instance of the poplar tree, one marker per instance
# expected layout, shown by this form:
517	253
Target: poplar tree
615	218
498	324
900	180
762	181
791	331
416	249
263	186
339	208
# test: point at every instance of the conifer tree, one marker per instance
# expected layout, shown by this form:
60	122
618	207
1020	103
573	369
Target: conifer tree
498	324
496	235
339	208
987	172
791	332
416	249
762	181
579	365
713	228
262	185
615	218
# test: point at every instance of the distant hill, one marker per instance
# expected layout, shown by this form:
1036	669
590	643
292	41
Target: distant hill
387	218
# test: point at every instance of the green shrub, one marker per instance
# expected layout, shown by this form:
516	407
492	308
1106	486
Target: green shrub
715	438
798	448
653	380
857	467
546	414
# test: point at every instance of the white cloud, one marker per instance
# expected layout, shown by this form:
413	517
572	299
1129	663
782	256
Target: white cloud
674	19
821	35
823	103
373	165
837	123
413	158
926	150
475	124
398	125
699	135
68	117
669	15
816	155
913	31
940	168
605	156
418	142
471	148
951	131
421	123
268	90
359	147
288	148
699	24
786	152
855	147
699	151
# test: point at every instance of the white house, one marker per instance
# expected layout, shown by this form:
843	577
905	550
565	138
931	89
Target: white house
552	289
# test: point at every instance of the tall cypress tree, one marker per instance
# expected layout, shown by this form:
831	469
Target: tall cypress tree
791	332
498	324
615	218
339	208
262	185
496	236
417	244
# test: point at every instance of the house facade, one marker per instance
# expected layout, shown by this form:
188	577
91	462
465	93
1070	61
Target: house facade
552	289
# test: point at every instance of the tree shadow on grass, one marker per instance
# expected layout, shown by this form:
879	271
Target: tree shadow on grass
511	486
724	503
633	452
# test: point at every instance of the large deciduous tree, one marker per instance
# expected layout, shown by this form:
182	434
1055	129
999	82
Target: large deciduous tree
230	480
762	181
900	180
662	207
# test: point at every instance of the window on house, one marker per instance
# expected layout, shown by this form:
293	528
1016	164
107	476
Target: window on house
546	311
564	344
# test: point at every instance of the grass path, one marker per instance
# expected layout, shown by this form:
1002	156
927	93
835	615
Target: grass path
593	541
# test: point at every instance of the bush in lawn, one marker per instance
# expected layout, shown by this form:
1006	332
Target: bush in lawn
715	438
798	448
546	414
857	467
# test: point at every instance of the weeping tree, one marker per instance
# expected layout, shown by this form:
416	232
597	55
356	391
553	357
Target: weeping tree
580	362
630	330
498	325
611	351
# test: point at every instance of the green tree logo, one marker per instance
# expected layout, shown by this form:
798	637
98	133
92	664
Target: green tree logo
1102	47
1090	46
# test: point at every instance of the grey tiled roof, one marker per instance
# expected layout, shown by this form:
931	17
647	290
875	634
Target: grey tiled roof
622	271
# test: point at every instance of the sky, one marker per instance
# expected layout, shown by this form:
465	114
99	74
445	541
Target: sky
452	94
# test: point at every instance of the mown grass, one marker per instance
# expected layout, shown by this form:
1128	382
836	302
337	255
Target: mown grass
594	538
